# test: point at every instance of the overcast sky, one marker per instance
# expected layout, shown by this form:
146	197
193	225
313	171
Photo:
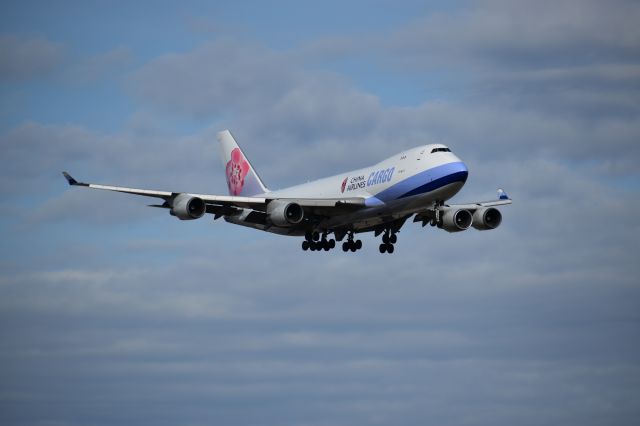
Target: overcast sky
114	313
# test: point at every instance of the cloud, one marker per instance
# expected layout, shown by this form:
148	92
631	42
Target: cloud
221	76
74	206
34	151
525	35
37	153
141	155
24	59
582	55
103	65
544	108
535	322
362	337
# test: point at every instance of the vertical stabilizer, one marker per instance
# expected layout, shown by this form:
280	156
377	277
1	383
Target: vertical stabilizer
242	179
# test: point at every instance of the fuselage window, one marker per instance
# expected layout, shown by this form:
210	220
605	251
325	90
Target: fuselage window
440	150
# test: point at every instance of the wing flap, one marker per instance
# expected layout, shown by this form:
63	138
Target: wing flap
327	202
232	200
255	202
135	191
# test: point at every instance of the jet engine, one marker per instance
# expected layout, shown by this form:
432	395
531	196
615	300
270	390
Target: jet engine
487	218
187	207
284	213
455	220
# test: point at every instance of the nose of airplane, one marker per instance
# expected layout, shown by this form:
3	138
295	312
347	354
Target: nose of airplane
461	171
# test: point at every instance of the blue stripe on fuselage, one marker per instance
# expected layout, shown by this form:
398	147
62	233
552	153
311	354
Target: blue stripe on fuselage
426	181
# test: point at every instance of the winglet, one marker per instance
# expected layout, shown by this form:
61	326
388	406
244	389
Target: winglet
72	181
502	195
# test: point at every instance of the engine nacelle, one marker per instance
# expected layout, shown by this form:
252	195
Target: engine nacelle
455	220
187	207
487	218
284	213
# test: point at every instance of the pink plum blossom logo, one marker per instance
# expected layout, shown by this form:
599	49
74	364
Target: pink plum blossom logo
344	184
237	169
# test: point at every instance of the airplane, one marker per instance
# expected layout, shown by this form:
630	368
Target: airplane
379	199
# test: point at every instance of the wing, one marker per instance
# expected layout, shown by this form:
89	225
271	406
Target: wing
434	214
215	202
502	200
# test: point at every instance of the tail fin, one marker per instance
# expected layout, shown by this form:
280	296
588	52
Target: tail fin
242	179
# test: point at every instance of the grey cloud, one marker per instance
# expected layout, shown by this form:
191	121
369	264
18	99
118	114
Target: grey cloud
222	76
266	98
543	109
583	55
367	339
141	155
104	65
76	206
477	134
37	153
33	152
111	321
328	49
24	59
533	35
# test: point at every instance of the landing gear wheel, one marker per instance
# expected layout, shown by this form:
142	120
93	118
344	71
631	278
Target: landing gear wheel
315	235
345	246
305	245
393	239
325	245
383	248
385	238
358	244
353	248
332	244
390	248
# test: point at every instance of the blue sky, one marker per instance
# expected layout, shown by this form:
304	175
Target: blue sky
111	312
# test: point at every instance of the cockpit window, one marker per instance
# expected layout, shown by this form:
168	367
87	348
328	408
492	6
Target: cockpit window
440	150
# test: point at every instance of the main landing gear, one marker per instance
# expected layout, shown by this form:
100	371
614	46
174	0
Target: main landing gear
350	244
313	241
388	240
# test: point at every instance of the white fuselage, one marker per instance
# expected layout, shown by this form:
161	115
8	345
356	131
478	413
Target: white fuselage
406	183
